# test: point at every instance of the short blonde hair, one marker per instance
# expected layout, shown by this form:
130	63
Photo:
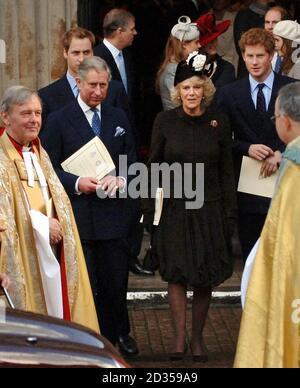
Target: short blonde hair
209	91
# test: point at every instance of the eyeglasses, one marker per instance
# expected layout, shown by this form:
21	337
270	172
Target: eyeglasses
273	118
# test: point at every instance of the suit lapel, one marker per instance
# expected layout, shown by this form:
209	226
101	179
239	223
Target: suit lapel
64	89
247	109
107	132
113	66
80	123
129	71
276	86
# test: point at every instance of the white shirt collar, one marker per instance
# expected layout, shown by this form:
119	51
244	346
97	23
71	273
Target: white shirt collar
85	108
268	82
114	51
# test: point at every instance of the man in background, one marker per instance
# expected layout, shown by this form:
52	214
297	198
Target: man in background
272	17
78	44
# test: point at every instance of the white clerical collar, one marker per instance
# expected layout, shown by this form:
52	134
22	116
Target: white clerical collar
31	163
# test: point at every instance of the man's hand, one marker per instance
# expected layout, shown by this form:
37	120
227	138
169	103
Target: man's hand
55	231
260	151
110	184
271	164
4	280
87	185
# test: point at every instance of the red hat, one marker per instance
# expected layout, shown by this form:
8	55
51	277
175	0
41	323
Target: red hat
209	30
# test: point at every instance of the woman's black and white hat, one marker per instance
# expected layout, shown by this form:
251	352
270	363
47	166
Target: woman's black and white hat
197	64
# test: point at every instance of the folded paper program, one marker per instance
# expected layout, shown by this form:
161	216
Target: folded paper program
92	160
251	182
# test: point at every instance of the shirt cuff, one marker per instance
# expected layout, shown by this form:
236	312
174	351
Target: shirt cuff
122	191
77	192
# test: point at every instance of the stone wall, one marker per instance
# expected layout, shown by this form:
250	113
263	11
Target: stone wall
32	30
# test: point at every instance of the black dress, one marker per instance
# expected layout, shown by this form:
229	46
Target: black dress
192	246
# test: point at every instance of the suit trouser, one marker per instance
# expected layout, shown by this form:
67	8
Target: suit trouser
250	227
107	263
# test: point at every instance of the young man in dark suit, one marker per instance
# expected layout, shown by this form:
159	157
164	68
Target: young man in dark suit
103	224
78	44
250	104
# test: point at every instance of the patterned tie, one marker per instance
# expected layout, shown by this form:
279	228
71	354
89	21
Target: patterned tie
96	122
278	63
261	101
122	70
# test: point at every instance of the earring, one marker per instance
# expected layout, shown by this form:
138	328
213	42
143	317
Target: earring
179	98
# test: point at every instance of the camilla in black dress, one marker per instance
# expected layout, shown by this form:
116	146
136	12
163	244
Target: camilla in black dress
192	246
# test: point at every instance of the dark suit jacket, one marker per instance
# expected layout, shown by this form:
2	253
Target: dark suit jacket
58	94
103	52
133	95
225	73
66	131
250	127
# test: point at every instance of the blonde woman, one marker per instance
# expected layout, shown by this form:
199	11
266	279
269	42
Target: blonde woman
192	246
184	39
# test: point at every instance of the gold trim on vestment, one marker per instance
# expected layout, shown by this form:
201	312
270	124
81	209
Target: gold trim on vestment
18	256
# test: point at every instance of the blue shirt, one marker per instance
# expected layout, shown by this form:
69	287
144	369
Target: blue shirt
73	84
267	90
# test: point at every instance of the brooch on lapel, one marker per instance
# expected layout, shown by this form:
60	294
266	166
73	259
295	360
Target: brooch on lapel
120	131
214	123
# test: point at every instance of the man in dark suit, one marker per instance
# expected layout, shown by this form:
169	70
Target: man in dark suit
103	223
78	44
250	103
119	32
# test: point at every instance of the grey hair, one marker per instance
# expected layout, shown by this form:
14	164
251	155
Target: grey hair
95	63
114	19
16	95
289	101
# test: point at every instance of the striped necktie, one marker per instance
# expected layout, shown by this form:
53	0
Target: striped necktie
96	122
261	105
